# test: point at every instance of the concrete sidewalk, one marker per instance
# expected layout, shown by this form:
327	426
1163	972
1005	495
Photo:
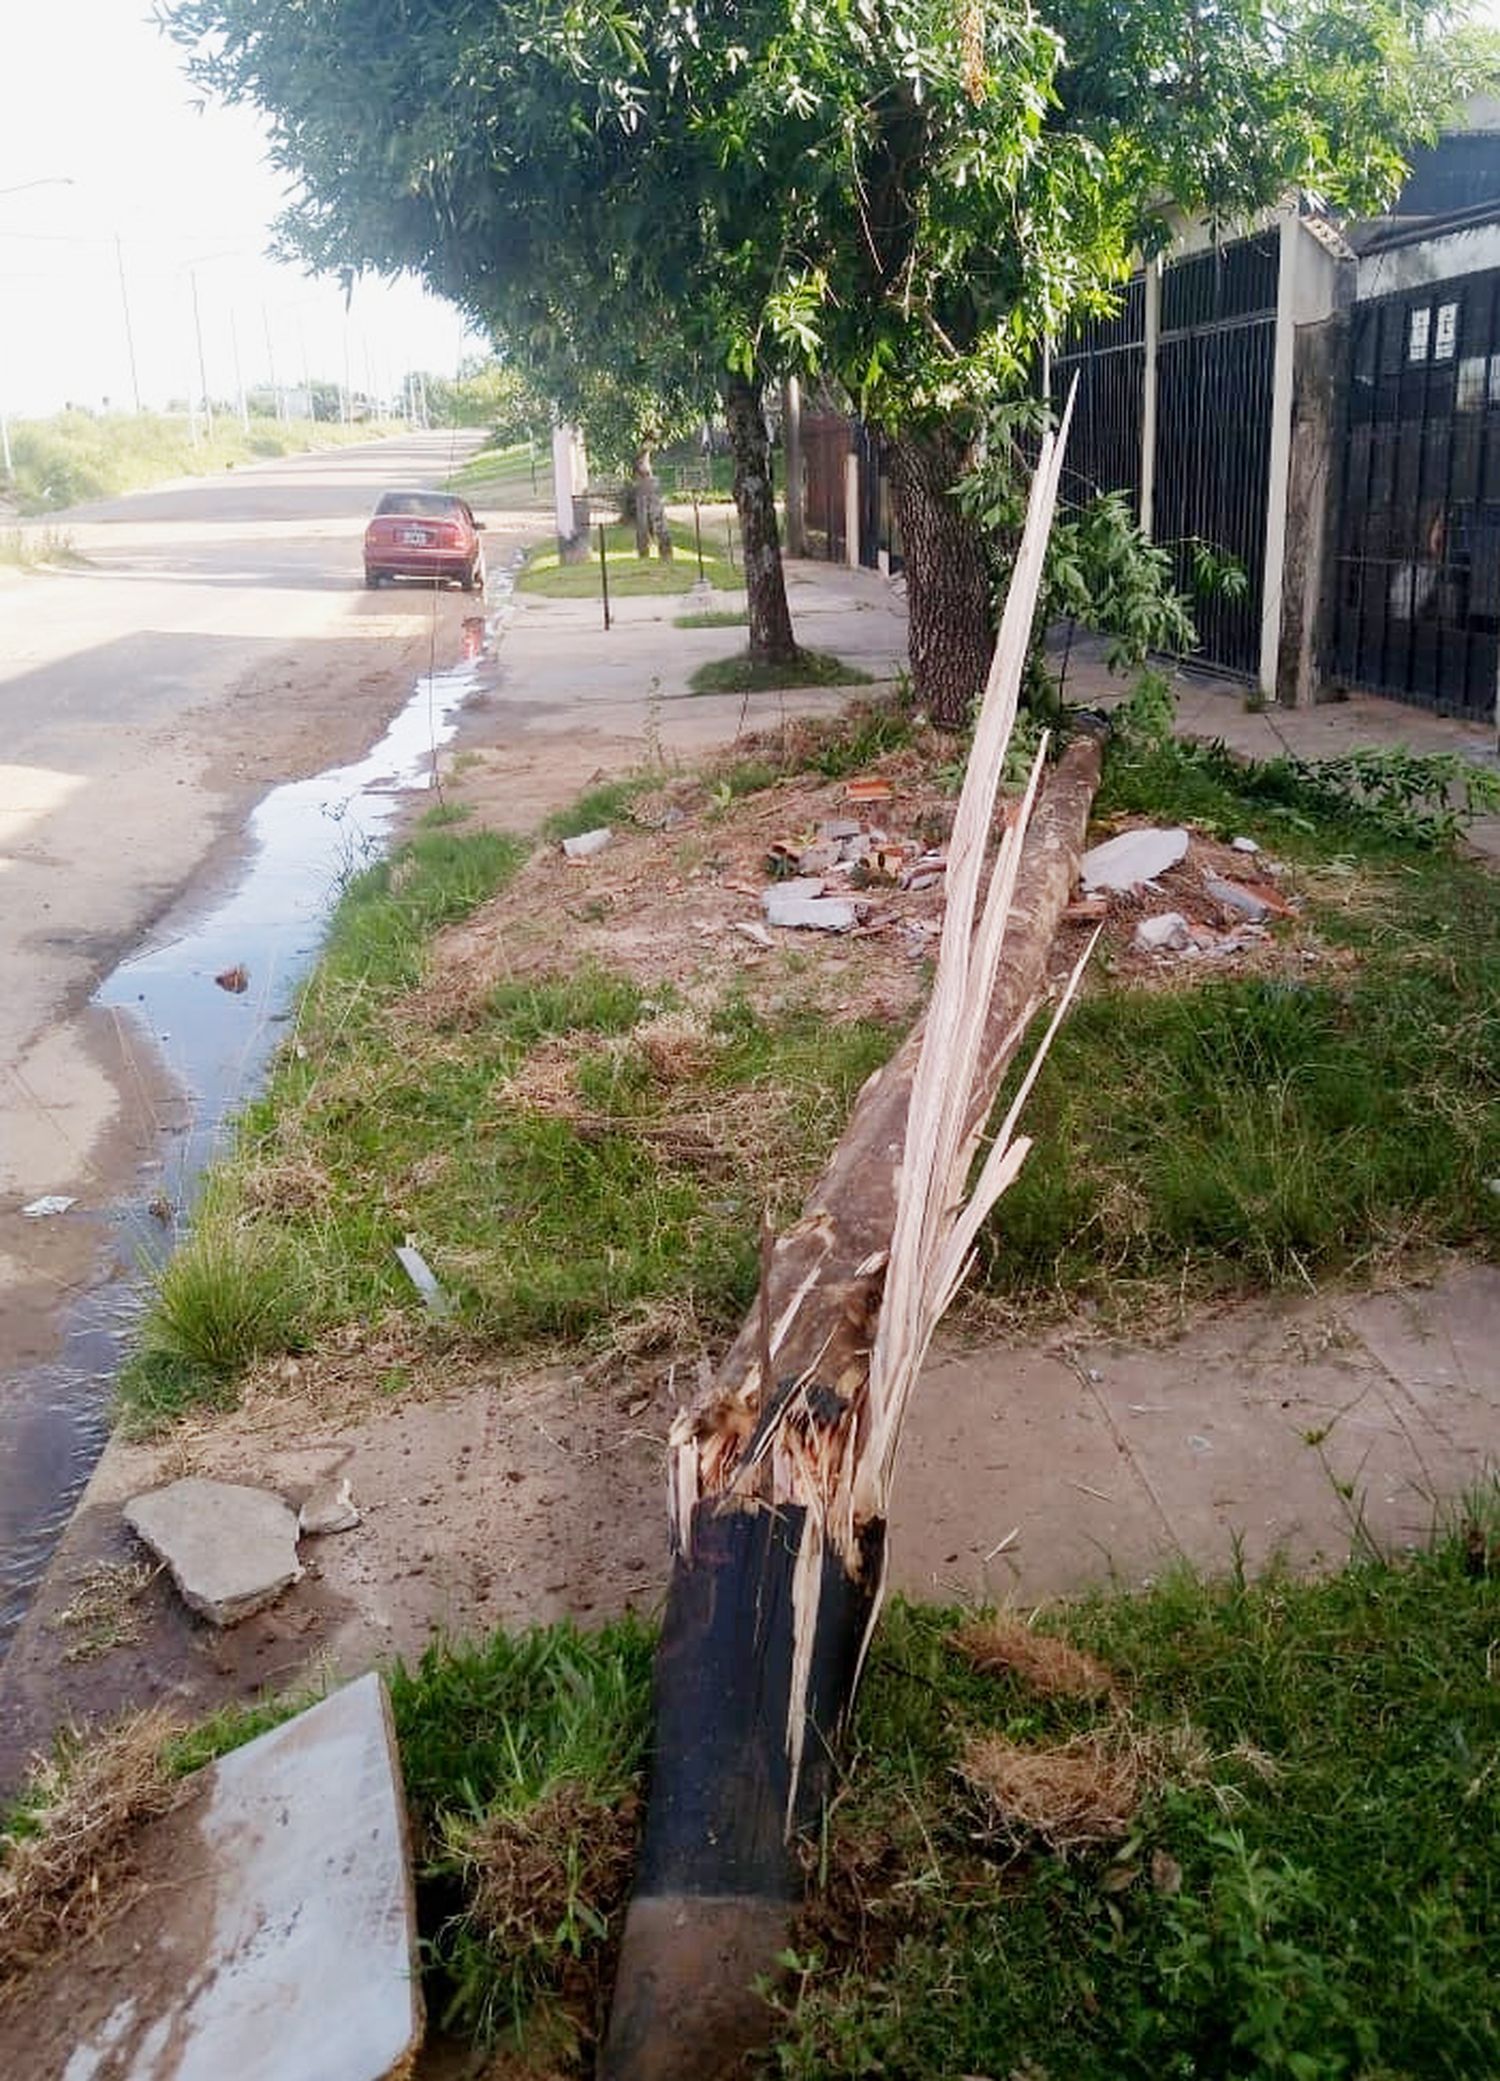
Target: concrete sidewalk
1309	1428
622	695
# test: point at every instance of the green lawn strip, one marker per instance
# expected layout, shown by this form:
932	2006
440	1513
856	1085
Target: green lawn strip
715	618
630	576
1245	1131
747	675
1331	1818
541	1223
505	477
1249	1131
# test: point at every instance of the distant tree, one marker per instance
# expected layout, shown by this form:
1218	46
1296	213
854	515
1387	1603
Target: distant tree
909	195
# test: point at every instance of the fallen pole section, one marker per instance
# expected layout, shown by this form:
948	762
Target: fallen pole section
778	1564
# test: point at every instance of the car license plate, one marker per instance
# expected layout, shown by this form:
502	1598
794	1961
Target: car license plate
416	537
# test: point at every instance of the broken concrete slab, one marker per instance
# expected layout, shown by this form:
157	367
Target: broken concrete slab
231	1549
1131	858
276	1939
811	913
800	888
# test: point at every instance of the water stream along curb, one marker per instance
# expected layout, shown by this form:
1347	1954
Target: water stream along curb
304	841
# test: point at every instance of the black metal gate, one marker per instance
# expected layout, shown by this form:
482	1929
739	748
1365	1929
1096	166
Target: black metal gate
1214	373
1108	356
1418	611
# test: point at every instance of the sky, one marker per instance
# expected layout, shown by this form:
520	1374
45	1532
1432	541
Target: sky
119	195
95	111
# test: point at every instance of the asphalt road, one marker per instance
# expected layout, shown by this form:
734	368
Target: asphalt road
216	640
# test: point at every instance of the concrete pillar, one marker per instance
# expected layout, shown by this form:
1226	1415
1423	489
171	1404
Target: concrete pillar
1279	473
851	511
1311	510
570	479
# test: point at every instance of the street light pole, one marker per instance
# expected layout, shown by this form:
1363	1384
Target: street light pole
135	381
208	410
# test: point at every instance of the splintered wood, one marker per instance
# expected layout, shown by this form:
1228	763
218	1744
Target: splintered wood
808	1406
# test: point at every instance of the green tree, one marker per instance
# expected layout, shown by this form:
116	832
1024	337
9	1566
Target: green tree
909	196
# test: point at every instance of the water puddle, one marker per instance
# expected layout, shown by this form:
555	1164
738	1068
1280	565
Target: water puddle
211	993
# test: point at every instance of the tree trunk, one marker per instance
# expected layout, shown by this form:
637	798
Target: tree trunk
951	633
768	1605
771	638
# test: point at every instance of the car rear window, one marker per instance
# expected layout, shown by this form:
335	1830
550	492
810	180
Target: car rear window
428	505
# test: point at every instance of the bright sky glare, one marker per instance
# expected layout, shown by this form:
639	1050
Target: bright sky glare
94	98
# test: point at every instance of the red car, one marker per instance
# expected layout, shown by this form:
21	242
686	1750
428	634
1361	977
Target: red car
424	534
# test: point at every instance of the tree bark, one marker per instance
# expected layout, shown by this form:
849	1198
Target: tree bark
949	601
771	638
767	1608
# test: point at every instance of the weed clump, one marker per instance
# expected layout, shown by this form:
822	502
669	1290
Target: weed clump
65	1850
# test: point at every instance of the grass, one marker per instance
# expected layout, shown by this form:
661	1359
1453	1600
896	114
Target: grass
630	576
76	456
29	549
1305	1891
715	618
564	1164
523	1759
746	675
514	478
1278	1129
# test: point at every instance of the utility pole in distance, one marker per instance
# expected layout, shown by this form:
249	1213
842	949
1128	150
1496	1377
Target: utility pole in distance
135	380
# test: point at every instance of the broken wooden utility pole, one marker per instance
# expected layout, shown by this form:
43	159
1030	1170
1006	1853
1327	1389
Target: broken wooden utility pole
780	1474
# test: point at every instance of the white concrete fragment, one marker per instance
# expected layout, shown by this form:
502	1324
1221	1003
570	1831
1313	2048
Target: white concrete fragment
330	1508
1166	933
1244	845
289	1952
49	1203
587	843
812	914
800	888
231	1549
1132	857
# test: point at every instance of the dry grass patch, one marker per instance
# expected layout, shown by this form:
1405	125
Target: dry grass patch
1070	1796
533	1874
1006	1645
104	1611
67	1855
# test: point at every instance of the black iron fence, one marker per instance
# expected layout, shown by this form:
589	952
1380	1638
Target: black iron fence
1108	358
1418	583
1214	374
